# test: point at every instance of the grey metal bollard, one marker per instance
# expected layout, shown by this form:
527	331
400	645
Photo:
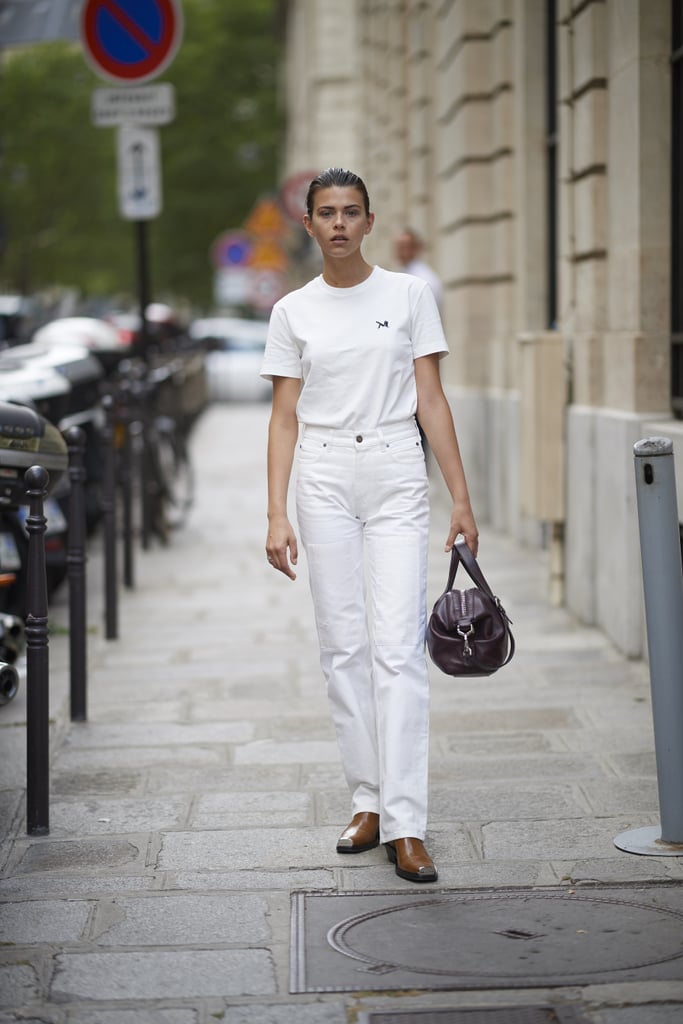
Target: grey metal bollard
660	549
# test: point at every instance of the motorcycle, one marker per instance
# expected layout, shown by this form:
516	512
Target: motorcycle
26	439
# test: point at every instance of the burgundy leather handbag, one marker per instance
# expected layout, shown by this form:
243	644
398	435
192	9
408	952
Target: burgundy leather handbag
468	633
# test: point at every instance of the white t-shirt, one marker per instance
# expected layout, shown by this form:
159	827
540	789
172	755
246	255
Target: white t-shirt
354	348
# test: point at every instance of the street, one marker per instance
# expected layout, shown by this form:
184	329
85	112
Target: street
205	789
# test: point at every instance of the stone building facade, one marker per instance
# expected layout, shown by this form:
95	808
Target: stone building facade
531	142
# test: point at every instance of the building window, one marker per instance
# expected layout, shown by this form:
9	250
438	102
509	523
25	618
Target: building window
551	142
676	210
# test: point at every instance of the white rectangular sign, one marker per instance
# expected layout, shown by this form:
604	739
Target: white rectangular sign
139	173
134	104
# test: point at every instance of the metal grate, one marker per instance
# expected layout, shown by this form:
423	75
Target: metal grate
486	939
494	1015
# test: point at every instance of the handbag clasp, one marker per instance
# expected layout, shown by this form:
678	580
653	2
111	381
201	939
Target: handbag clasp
465	633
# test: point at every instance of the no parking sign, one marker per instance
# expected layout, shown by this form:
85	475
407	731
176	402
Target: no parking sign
130	41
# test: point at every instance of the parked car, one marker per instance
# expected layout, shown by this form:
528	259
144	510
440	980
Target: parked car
104	340
234	356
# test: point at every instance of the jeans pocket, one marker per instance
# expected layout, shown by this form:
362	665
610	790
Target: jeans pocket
310	451
406	451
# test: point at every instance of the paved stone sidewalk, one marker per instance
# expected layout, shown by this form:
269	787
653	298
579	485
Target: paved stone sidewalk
205	787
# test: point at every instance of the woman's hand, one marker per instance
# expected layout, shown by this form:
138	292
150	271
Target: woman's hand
462	521
281	546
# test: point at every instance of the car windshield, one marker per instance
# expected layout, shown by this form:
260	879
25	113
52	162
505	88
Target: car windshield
232	335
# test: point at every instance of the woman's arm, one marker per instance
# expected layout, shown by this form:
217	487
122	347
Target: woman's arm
434	414
281	544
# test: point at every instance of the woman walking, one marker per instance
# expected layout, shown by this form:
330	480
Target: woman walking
354	358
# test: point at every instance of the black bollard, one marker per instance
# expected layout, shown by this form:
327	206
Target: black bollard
37	661
109	519
76	561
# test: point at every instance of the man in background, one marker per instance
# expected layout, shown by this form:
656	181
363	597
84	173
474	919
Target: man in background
408	246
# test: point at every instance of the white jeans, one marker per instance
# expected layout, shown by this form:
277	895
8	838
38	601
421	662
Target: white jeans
363	510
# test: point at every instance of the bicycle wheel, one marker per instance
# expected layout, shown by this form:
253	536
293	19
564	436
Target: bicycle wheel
176	473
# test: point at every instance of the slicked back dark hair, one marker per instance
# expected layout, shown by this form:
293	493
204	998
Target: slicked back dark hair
336	176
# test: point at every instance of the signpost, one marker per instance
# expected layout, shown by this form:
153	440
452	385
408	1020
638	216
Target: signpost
139	179
126	41
145	104
130	42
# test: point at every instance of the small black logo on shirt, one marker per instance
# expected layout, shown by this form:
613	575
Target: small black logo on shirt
382	323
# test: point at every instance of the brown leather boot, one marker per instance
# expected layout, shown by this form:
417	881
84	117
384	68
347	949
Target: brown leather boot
362	834
412	860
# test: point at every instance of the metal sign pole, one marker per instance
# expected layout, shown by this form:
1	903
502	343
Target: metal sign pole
660	548
142	282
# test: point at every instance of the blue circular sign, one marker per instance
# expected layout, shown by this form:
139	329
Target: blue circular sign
231	249
130	41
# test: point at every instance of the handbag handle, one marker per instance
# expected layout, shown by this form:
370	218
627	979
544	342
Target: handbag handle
460	552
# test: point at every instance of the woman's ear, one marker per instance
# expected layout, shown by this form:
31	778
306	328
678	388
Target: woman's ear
371	221
308	225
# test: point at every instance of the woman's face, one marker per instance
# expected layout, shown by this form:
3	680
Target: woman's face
339	222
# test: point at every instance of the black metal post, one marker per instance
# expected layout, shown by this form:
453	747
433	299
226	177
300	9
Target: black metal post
126	479
143	282
76	561
37	661
109	519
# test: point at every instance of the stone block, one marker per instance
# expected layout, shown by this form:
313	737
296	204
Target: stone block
470	252
553	840
43	921
588	120
19	984
242	849
186	920
477	803
89	1015
88	817
504	126
590	44
81	855
587	364
299	1013
590	214
235	810
268	752
162	975
503	172
259	881
639	371
590	309
469	193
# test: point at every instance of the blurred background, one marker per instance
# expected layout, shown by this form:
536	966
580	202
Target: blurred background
533	146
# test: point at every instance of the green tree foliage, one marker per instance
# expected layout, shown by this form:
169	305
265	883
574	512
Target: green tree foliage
59	220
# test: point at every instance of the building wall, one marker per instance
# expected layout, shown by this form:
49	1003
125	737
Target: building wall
441	105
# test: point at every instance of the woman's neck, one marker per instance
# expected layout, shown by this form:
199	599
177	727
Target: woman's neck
340	274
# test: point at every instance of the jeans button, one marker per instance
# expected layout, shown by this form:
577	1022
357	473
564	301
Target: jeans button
359	438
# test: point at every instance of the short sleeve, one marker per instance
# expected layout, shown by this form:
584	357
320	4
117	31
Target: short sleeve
426	328
281	357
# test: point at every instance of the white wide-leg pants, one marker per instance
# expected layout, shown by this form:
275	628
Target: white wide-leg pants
363	511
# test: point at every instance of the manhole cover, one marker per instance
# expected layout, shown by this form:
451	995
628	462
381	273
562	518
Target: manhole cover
494	1015
515	938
